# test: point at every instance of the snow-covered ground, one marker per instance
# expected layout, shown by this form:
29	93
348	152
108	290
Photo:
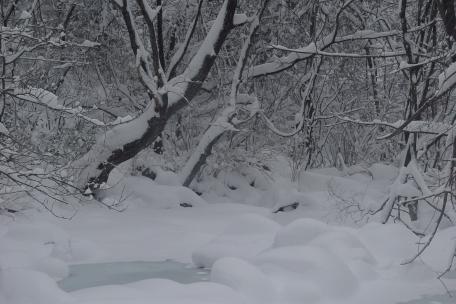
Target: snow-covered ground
322	252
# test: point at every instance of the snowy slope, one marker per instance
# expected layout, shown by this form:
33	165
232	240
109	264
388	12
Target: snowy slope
256	256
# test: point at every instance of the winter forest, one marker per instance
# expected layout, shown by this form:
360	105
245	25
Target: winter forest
227	151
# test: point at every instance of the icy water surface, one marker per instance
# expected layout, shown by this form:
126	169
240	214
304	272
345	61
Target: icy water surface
435	299
448	298
91	275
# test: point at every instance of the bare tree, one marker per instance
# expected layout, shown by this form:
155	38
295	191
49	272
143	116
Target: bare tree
168	93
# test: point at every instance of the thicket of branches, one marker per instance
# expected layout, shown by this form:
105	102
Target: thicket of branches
88	85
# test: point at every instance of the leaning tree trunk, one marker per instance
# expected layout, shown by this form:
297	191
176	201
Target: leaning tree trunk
124	141
227	119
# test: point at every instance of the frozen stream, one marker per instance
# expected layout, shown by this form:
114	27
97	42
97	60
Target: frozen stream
91	275
98	274
434	299
437	299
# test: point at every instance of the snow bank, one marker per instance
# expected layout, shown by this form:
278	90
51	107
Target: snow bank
39	247
245	278
30	262
311	266
253	258
24	286
400	244
439	254
383	172
306	259
232	186
300	232
160	291
245	237
345	245
313	182
310	261
279	196
142	191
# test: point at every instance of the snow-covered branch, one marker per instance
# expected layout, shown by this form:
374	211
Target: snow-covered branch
177	57
226	121
51	101
288	61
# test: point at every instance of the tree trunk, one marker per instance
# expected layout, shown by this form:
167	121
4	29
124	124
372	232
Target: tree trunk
125	141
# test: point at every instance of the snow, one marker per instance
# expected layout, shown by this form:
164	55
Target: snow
3	129
206	50
40	96
113	139
246	236
447	79
300	232
239	19
91	275
25	15
245	278
383	172
141	191
39	288
323	272
256	256
89	44
438	255
122	119
402	245
161	291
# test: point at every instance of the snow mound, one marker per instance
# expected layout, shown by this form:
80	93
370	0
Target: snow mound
316	182
279	196
305	260
293	267
39	247
341	242
439	253
383	172
401	242
23	286
245	278
345	245
245	237
142	191
160	291
300	232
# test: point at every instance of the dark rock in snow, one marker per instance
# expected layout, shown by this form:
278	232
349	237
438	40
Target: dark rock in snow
287	208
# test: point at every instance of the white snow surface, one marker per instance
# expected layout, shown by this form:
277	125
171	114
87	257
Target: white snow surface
3	129
255	256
